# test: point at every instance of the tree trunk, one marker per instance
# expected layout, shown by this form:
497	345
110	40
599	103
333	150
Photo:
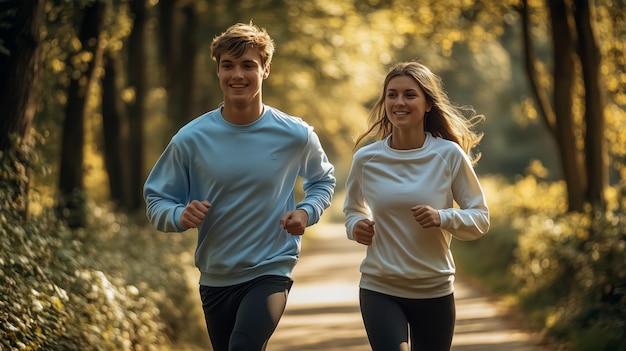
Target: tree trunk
595	145
559	120
167	43
20	56
114	127
563	78
137	81
541	97
178	53
187	65
170	58
71	201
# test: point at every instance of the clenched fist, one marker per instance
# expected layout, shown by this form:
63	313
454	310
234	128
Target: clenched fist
364	232
194	213
426	216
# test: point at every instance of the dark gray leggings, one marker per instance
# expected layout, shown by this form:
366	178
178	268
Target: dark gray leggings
244	316
430	322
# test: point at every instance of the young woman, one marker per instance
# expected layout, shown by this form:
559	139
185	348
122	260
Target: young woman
400	197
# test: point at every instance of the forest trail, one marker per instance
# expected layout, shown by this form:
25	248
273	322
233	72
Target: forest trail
323	310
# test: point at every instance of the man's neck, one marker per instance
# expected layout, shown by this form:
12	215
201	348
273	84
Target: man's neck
240	114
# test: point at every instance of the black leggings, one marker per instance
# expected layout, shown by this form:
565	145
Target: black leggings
244	316
430	321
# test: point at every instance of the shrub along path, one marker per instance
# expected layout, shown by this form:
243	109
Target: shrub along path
323	314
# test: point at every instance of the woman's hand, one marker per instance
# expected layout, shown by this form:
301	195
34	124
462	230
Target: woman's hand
364	232
426	216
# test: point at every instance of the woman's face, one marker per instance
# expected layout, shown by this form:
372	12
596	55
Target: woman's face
405	103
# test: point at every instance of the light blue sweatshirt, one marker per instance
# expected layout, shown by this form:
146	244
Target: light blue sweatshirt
248	173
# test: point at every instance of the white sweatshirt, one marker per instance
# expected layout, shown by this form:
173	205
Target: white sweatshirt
406	260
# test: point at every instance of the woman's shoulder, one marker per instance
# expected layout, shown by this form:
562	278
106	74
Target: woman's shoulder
449	151
445	145
369	150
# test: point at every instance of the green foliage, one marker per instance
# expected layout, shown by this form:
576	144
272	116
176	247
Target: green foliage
111	286
566	271
573	271
489	258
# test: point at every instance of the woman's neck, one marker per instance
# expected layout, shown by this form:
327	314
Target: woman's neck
407	141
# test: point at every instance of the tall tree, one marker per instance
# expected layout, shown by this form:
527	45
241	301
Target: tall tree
596	165
573	42
21	23
71	199
137	61
114	127
178	24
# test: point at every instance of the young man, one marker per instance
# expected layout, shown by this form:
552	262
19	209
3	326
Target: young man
231	173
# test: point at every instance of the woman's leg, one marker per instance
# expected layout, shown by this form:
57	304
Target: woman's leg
384	320
431	322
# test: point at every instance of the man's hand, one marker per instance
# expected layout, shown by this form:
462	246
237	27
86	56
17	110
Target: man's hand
194	213
364	232
294	222
426	216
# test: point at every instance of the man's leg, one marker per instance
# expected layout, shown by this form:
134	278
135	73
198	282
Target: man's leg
220	309
260	309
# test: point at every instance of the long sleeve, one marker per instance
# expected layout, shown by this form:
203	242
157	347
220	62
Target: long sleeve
406	259
318	179
166	190
354	207
471	220
248	173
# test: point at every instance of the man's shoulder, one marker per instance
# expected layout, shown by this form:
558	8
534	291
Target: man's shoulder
200	124
284	117
201	119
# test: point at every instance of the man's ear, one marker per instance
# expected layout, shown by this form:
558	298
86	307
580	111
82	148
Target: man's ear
266	72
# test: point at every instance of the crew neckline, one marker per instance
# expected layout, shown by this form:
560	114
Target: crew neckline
424	146
244	127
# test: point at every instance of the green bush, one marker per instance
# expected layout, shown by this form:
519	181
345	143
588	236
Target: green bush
573	271
115	285
566	271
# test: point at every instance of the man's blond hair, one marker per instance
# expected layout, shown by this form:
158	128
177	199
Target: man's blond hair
238	38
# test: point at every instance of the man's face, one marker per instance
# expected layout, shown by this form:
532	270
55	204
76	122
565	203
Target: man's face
241	78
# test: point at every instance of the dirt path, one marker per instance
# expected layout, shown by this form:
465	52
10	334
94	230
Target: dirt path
323	314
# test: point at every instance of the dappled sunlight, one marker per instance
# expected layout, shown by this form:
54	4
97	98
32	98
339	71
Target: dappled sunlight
528	195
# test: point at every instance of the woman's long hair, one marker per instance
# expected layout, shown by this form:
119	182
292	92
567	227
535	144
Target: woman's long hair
444	120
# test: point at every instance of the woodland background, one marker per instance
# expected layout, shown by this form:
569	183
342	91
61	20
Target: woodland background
92	90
